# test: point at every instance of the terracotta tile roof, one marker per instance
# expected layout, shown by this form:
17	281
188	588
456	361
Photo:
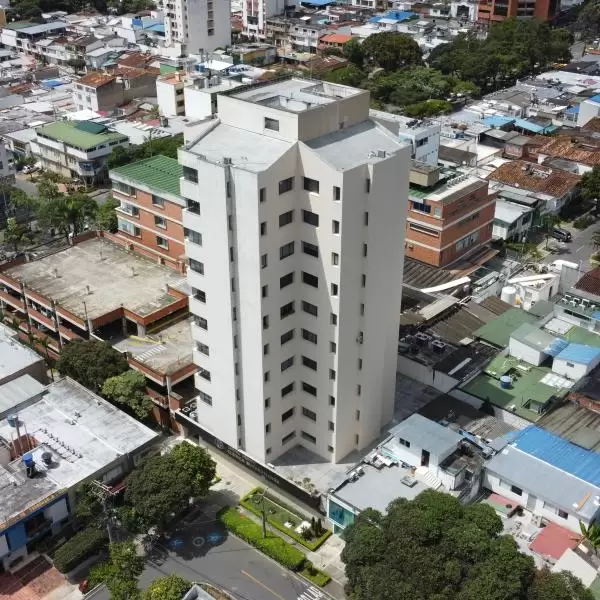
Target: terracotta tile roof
592	125
135	59
96	79
590	282
335	38
535	178
569	148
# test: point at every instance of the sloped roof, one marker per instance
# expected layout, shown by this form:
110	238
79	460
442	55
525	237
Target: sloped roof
590	282
579	353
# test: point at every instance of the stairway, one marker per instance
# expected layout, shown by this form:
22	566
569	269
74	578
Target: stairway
424	475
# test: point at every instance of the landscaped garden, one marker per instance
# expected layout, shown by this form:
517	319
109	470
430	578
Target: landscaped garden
308	532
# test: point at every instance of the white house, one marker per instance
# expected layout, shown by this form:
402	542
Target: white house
511	221
533	345
576	361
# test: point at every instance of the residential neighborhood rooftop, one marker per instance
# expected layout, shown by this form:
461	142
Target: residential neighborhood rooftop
80	134
160	173
95	277
14	356
498	331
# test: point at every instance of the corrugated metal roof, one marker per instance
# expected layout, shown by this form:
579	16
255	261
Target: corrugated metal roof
160	173
579	353
498	331
560	453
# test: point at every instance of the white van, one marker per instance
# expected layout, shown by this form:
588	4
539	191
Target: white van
557	265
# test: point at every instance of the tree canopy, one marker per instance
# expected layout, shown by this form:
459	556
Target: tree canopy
434	548
67	213
166	146
129	389
512	49
590	184
106	217
587	24
170	587
391	50
91	362
162	486
121	572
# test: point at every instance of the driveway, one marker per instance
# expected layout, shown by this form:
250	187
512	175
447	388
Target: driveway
201	550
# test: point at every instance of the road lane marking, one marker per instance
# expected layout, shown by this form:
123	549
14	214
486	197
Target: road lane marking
580	248
262	585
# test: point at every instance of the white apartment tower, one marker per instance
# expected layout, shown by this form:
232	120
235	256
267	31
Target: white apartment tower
256	12
194	26
295	218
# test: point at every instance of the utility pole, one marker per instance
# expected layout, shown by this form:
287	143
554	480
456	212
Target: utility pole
102	492
264	513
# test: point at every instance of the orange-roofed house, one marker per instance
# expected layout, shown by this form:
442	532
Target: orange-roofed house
104	92
334	40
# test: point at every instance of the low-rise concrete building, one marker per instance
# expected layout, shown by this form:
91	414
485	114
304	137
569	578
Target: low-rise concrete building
76	149
16	359
52	439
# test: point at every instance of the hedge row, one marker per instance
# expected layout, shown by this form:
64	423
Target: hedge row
310	544
317	577
81	546
272	545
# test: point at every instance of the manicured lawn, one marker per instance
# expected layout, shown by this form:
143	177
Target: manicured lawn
278	515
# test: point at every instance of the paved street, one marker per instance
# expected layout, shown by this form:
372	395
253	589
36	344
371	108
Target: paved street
200	550
578	250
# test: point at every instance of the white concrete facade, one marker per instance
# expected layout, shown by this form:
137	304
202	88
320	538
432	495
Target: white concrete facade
255	14
300	200
194	26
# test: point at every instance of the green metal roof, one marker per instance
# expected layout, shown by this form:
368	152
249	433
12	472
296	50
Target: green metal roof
160	173
16	25
579	335
73	134
497	331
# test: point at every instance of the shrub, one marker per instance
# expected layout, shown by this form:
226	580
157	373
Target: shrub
82	545
249	503
251	532
583	222
313	574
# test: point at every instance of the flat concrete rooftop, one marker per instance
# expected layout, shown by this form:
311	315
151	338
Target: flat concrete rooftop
296	95
84	433
388	483
14	356
166	351
102	275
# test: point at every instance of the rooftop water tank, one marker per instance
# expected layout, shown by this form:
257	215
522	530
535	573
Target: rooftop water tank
505	382
509	295
28	459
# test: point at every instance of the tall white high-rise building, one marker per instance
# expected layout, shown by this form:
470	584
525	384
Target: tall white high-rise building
256	12
295	219
194	26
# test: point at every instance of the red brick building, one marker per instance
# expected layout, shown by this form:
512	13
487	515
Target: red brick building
494	11
449	216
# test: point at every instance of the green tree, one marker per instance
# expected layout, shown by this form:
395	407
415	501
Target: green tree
392	50
435	548
121	572
558	586
106	217
590	184
156	492
429	108
20	200
88	507
196	465
129	389
170	587
91	362
47	185
16	234
67	213
349	75
353	51
166	146
588	21
591	534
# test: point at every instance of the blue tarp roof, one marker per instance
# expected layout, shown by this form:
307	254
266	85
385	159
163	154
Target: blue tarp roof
533	127
556	347
497	121
596	315
560	453
579	353
595	98
158	27
52	83
573	110
394	15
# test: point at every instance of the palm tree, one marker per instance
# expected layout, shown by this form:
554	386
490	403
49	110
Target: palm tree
591	534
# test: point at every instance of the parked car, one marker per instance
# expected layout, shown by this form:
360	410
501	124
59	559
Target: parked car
561	234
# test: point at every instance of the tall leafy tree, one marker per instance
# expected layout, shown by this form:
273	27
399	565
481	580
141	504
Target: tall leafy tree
16	234
67	213
391	50
196	464
129	389
434	548
91	362
354	52
106	217
121	572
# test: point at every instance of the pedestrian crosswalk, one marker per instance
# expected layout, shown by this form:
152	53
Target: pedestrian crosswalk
312	593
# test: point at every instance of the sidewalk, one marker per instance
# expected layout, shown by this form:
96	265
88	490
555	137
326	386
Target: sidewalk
237	481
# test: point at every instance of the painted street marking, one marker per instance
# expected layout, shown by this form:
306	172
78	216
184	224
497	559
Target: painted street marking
198	541
312	593
215	538
262	585
176	543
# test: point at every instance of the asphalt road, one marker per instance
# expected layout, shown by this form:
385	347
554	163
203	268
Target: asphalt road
578	250
202	551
